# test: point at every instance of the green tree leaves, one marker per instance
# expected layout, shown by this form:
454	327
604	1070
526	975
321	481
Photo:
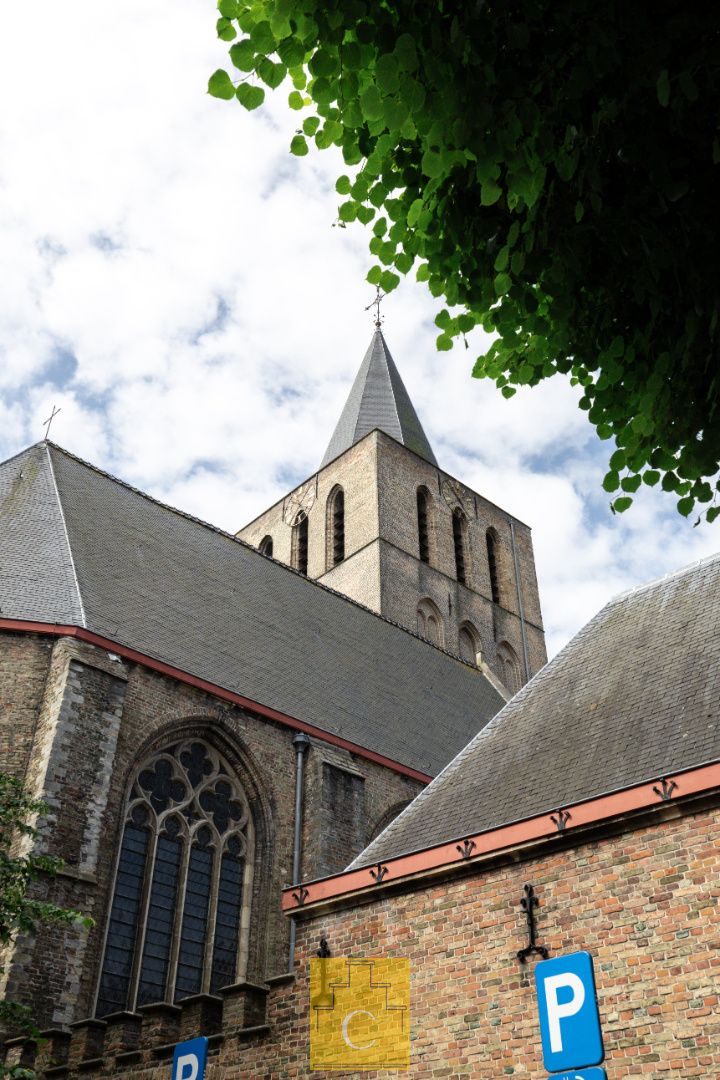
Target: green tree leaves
250	96
568	208
220	85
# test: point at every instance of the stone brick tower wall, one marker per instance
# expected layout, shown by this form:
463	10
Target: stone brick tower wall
382	567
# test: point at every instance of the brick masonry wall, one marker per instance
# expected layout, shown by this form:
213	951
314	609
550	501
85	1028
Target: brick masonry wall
24	664
355	471
359	577
644	903
95	719
336	832
404	578
382	569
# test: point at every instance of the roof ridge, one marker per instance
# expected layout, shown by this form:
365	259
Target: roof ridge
249	547
61	508
704	560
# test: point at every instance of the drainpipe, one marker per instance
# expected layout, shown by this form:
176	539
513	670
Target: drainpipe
301	743
520	603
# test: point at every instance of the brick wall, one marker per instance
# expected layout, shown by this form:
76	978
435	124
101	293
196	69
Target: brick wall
355	471
24	663
644	903
382	568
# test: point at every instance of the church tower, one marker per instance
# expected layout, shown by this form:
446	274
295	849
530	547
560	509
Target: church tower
381	522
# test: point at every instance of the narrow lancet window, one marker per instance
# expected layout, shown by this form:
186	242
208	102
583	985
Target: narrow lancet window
300	544
458	526
491	540
265	546
422	517
336	527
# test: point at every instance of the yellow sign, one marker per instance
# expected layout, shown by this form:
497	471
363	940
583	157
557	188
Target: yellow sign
359	1014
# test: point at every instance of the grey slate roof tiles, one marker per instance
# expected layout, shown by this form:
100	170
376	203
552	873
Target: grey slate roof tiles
158	581
378	399
633	697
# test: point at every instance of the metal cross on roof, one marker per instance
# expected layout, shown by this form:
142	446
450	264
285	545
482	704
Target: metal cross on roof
50	419
379	297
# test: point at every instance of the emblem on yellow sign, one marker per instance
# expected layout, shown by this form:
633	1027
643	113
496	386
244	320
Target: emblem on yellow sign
359	1014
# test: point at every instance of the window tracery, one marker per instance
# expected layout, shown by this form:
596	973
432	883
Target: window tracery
179	916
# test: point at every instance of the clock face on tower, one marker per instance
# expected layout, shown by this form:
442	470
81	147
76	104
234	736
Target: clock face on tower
299	503
455	494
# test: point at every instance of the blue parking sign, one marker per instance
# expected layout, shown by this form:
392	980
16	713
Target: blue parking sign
189	1060
581	1074
569	1021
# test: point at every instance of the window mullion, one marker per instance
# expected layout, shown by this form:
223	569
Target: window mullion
246	909
177	924
142	920
212	916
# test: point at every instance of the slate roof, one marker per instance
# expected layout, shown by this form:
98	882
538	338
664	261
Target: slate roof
633	697
78	546
378	399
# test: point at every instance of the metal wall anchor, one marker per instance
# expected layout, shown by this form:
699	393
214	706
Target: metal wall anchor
528	903
665	791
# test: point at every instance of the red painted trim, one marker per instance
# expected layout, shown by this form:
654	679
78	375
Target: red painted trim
60	630
592	811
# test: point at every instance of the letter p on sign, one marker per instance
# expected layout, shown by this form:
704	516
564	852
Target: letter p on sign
189	1060
567	1004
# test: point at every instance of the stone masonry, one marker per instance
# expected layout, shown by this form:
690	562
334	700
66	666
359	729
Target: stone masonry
75	722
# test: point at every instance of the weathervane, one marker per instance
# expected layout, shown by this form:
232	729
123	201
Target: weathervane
50	419
379	297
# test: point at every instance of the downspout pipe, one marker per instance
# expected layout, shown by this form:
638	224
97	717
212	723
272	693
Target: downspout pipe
301	742
521	612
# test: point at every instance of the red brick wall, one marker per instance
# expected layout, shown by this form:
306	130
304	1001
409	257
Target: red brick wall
645	904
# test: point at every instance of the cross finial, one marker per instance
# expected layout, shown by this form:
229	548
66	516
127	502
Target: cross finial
379	297
50	419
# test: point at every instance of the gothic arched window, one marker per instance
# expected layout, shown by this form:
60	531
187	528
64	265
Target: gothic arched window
335	527
469	644
179	916
265	547
430	623
459	527
423	516
491	539
300	543
509	667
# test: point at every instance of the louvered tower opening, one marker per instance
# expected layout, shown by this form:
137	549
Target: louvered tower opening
458	523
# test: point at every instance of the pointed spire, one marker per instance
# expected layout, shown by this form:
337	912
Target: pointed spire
378	399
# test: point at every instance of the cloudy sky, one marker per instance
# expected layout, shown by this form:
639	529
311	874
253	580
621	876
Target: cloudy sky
172	280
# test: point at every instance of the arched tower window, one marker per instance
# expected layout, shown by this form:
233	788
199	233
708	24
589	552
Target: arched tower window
491	539
179	916
509	667
265	547
459	527
430	623
469	642
423	516
335	525
300	543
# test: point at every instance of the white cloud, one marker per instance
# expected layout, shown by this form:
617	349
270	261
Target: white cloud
173	282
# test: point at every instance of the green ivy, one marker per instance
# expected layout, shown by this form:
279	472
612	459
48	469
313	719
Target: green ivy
551	171
20	910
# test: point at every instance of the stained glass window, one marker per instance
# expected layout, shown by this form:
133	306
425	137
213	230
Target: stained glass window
184	860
